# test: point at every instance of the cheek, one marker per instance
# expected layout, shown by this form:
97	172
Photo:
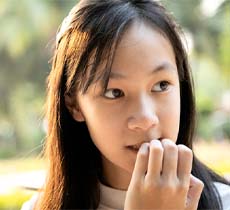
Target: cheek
102	124
170	118
100	117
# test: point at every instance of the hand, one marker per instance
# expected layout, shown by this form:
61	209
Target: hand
162	178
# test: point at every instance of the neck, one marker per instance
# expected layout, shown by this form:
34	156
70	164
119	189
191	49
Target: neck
116	177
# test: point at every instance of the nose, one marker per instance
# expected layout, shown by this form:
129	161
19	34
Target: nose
144	115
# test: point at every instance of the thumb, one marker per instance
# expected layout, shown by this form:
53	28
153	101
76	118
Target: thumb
195	189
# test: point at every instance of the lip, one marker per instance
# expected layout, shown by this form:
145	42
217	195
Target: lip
138	145
133	150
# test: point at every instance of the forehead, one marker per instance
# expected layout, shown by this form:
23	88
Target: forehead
142	48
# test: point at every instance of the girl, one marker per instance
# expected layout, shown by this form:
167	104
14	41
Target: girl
121	114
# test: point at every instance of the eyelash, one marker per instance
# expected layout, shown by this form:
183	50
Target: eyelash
112	89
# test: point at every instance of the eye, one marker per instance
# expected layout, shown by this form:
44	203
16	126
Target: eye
113	93
161	86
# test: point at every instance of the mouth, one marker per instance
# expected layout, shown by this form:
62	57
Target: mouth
137	146
134	148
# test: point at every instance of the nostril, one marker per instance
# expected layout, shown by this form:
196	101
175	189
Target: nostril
142	122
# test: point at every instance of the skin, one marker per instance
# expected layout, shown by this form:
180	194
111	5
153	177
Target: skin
162	178
145	106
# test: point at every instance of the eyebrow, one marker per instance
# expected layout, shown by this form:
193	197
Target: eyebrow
162	67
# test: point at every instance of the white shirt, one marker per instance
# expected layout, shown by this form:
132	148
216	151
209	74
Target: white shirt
224	191
112	199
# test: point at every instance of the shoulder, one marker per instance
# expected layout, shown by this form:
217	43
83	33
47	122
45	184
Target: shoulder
224	192
29	205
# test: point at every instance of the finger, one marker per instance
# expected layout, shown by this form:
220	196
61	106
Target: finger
184	166
170	158
141	164
155	159
194	193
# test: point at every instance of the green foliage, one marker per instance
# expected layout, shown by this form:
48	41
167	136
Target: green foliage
26	38
26	44
224	47
226	128
208	93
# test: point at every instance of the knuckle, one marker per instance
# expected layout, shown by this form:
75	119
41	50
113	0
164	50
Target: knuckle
201	184
142	159
151	187
182	188
136	185
168	187
183	150
142	155
156	148
170	146
165	141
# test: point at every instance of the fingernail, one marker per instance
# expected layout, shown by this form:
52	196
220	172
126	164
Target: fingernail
144	148
155	142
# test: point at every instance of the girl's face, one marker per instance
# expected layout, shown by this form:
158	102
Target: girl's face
142	102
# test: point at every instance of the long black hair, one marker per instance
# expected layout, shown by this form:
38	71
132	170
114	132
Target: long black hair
88	36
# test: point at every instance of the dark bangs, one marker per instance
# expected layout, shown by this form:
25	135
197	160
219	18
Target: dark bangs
92	42
95	33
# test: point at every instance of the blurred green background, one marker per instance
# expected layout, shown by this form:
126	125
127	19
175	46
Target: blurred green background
27	37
